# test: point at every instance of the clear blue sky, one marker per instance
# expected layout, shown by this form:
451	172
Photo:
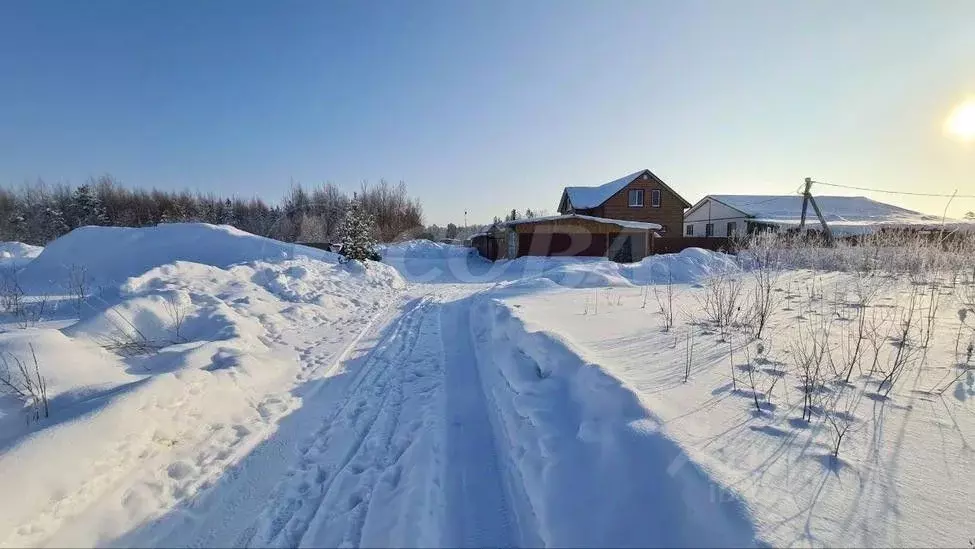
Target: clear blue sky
488	105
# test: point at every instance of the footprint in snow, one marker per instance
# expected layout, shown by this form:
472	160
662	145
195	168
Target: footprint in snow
179	470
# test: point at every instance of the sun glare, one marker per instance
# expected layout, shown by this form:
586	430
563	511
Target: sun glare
961	121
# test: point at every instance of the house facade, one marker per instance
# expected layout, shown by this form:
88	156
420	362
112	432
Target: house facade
713	218
640	196
731	215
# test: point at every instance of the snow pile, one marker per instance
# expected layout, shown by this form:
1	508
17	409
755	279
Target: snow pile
16	254
112	254
171	377
422	249
571	435
688	266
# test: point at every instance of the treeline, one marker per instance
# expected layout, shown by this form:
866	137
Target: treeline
515	215
38	213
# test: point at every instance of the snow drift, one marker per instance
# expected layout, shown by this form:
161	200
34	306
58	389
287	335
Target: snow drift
17	254
423	249
688	266
112	254
176	370
574	435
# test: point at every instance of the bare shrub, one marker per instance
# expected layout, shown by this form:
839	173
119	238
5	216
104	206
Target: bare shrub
24	383
765	257
731	356
79	286
31	312
966	291
665	303
688	353
962	325
11	293
840	414
721	300
176	309
905	342
931	313
126	339
878	333
808	352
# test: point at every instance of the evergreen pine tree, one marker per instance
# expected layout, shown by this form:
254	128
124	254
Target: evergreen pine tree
356	233
54	224
227	213
86	208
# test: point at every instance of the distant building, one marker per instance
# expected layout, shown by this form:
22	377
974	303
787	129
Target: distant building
726	215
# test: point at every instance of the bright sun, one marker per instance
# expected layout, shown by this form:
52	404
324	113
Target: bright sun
961	121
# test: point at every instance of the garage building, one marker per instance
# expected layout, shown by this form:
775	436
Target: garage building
569	235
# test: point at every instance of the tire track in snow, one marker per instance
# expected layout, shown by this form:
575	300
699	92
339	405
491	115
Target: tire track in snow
477	509
327	499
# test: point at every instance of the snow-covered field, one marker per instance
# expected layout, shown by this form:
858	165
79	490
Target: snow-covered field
207	387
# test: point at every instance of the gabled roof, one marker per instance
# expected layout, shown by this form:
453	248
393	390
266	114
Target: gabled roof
619	222
583	198
848	214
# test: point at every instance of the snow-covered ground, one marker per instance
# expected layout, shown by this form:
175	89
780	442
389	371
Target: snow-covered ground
215	388
905	466
16	254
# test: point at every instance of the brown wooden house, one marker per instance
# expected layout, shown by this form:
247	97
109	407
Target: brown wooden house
639	196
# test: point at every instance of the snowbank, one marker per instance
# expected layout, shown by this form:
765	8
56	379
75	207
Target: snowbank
688	266
904	471
170	377
423	249
112	254
17	254
573	435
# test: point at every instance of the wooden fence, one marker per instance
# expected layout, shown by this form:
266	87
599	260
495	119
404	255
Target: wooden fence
665	245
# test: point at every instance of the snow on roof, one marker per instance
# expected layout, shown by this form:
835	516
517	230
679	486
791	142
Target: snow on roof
842	213
620	222
590	197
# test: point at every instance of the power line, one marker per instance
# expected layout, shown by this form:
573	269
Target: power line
895	192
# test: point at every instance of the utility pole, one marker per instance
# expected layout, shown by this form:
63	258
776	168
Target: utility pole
807	198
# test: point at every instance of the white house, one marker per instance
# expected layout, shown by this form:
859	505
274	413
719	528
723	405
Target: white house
727	215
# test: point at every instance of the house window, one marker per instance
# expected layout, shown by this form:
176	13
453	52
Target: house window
636	197
690	230
655	198
732	228
709	229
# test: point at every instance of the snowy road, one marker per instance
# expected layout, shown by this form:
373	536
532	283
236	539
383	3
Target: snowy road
392	444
